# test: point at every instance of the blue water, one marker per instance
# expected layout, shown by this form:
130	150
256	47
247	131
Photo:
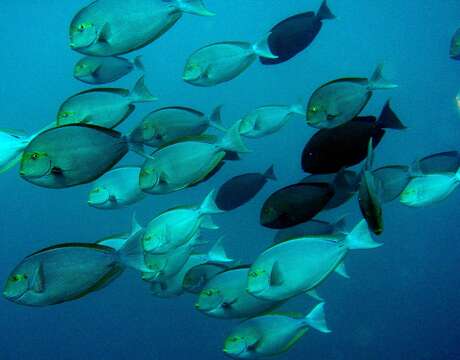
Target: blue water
402	299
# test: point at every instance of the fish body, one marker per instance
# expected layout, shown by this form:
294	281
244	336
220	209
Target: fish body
221	62
105	107
187	163
117	189
164	126
429	189
339	101
294	34
330	150
175	227
272	334
102	70
268	120
295	204
71	155
241	189
108	27
454	51
225	297
299	265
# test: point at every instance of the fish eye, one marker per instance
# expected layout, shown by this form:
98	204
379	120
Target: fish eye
314	109
35	156
208	292
253	274
83	26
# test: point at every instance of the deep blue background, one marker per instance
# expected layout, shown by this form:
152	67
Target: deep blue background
402	299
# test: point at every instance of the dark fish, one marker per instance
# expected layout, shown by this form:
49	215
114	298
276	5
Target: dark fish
294	34
345	184
444	162
330	150
454	50
240	189
393	180
295	204
370	197
71	155
313	228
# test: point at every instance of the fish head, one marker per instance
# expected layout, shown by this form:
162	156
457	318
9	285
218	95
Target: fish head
409	196
192	72
455	48
258	281
316	114
99	197
83	68
269	215
209	300
148	178
17	284
235	346
35	164
82	34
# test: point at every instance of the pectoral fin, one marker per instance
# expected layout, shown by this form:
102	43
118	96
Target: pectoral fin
104	34
38	282
276	276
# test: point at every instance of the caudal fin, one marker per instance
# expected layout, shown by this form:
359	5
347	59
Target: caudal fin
195	7
232	140
215	119
138	64
316	319
141	93
131	254
262	48
377	81
388	119
298	109
360	238
324	13
217	253
270	173
209	206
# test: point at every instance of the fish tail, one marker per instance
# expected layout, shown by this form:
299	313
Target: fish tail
298	109
340	225
131	254
217	253
324	13
209	206
232	140
138	148
270	173
195	7
141	93
138	64
215	119
389	120
10	164
377	81
360	238
262	48
316	319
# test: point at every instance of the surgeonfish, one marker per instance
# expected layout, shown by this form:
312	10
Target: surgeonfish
111	27
339	101
223	61
272	334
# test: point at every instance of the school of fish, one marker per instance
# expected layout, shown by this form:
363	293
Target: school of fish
176	152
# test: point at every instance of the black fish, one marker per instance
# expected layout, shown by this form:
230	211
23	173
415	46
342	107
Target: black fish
330	150
240	189
294	34
345	184
295	204
369	197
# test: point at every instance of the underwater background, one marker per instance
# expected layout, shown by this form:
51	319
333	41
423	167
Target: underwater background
402	299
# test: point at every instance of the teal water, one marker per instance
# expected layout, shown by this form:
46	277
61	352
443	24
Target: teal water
402	299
